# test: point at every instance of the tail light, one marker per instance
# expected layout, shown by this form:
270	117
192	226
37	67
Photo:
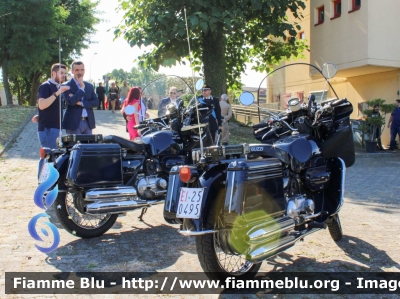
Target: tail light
187	174
44	152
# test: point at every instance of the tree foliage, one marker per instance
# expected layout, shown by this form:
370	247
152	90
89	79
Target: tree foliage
153	82
224	35
29	39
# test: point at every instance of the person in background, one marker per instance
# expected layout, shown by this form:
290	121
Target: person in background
49	106
226	114
162	107
133	99
394	125
215	122
117	105
123	93
80	99
113	96
143	109
101	93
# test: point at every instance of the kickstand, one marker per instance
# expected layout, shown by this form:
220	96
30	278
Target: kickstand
144	210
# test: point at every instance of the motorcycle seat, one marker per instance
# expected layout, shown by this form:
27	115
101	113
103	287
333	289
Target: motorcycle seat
132	145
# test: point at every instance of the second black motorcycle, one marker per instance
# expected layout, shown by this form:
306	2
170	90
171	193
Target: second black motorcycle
247	202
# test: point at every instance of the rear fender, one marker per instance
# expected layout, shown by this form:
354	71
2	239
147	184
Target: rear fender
61	165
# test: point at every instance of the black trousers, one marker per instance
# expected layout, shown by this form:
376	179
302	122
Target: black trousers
101	104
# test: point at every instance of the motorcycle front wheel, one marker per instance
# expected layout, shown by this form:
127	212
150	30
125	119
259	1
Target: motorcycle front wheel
335	228
216	263
69	210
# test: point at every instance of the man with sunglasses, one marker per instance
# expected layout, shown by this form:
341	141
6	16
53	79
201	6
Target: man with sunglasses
215	122
162	107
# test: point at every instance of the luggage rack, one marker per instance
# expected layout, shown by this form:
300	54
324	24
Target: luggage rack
72	139
219	153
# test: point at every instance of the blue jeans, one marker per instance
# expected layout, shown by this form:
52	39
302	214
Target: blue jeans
82	129
394	131
121	100
48	137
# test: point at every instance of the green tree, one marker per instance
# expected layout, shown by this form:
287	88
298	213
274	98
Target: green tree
29	39
224	35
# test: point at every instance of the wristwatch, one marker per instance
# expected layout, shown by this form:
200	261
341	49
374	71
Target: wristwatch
54	94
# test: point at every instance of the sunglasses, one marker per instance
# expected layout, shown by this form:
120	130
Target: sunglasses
172	93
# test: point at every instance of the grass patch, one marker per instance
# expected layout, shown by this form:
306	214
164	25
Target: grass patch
240	133
11	117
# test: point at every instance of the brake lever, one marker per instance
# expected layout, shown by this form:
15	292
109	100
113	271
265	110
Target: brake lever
261	129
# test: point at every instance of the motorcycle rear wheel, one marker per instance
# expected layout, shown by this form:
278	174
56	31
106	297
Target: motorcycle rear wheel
80	224
215	262
335	228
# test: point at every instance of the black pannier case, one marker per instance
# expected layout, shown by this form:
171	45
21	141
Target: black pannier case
93	165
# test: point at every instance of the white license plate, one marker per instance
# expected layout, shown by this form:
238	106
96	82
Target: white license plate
189	205
44	172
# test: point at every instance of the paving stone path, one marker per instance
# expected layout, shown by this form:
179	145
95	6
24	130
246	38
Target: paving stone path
370	219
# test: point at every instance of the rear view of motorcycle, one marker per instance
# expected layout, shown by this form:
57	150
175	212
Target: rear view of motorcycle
101	177
245	203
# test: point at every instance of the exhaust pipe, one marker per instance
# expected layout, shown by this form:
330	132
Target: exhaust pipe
110	193
114	207
112	200
264	231
270	248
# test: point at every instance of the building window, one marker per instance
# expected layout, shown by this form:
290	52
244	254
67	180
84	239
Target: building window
302	35
320	15
336	8
355	5
319	95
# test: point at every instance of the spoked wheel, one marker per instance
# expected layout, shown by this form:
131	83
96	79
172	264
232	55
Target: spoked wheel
217	262
69	209
335	228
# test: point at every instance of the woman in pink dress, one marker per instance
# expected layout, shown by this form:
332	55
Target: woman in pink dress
133	99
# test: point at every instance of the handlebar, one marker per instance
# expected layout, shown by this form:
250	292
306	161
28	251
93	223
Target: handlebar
141	126
338	102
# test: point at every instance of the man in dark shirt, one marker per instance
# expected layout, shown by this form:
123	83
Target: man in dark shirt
49	106
394	125
100	91
215	122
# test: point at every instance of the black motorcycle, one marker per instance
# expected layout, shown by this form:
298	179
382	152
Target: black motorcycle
103	177
245	203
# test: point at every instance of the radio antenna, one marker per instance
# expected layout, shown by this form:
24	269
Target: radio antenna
190	64
60	144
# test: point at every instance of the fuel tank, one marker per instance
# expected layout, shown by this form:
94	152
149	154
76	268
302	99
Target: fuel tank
161	143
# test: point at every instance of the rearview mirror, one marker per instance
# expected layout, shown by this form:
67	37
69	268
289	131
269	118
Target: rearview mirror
329	70
246	98
199	84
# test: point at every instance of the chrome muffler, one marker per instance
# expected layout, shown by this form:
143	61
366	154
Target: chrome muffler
264	231
267	249
112	200
110	193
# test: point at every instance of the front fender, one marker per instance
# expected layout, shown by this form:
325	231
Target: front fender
334	194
